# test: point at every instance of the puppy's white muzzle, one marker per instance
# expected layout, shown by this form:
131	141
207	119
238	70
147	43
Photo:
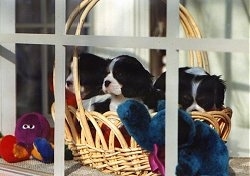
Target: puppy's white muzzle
111	85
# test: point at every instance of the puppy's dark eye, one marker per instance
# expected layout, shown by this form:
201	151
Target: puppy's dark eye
205	102
201	99
107	83
117	74
185	100
69	83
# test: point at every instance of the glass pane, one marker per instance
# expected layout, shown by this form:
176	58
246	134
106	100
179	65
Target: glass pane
35	62
34	65
28	11
157	18
71	5
221	19
39	14
118	20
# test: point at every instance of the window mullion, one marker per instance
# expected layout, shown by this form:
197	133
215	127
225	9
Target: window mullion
60	6
172	64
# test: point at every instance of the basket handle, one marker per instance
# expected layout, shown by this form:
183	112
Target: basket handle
191	30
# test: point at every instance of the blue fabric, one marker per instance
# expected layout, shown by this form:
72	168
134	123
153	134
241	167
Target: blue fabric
45	149
201	151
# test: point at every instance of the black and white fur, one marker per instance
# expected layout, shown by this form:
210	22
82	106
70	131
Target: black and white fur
92	70
160	84
200	91
127	79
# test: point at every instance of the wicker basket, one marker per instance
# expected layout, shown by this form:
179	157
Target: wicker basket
118	154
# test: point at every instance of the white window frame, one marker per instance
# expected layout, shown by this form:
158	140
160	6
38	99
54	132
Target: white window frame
172	43
7	69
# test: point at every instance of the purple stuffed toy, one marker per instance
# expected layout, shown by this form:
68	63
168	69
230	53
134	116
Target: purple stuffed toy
31	126
32	132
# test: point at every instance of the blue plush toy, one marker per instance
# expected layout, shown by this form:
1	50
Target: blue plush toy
200	149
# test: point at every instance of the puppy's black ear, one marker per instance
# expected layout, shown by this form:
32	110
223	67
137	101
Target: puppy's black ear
219	91
139	84
136	81
157	93
160	83
214	89
185	98
108	61
92	69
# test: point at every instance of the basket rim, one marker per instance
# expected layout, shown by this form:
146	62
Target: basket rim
219	119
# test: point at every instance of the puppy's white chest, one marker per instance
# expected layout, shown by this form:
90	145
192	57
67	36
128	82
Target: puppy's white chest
115	101
88	103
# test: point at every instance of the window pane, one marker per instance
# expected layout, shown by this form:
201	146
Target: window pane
39	14
34	64
221	19
28	11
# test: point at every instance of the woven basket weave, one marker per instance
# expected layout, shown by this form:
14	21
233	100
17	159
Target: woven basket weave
83	129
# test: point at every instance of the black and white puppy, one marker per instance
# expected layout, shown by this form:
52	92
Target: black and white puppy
92	70
200	91
127	79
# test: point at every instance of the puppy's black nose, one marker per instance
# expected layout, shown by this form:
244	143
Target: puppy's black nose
69	83
106	83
